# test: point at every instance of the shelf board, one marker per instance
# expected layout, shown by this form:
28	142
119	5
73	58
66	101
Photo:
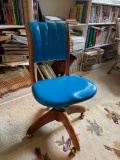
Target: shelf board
106	3
101	45
21	64
105	23
79	24
11	26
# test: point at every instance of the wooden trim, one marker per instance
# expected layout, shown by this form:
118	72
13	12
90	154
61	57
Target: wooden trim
31	52
68	52
117	29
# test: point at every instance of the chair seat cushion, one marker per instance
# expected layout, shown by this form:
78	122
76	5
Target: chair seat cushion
63	91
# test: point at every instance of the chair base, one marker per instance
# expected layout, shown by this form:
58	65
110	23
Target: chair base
52	115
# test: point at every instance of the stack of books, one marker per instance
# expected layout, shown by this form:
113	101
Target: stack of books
103	14
99	35
77	41
109	54
89	59
13	49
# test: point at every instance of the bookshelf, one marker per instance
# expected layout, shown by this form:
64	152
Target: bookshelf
62	8
103	45
11	26
105	23
106	3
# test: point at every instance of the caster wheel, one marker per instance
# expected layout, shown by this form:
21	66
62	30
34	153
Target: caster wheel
29	135
72	152
82	116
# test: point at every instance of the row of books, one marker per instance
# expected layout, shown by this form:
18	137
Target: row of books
13	48
15	12
103	13
12	12
77	40
100	35
44	71
79	11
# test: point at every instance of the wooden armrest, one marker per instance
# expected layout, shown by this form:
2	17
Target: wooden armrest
117	39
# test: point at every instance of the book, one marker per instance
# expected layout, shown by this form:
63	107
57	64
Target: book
73	12
84	11
20	18
80	10
35	8
9	32
16	52
45	71
25	11
90	37
53	18
13	49
2	20
14	2
3	12
4	38
87	38
50	70
13	58
15	45
12	64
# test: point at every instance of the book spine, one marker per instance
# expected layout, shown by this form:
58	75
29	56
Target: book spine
18	12
87	38
11	11
21	11
13	58
25	11
2	21
15	11
2	5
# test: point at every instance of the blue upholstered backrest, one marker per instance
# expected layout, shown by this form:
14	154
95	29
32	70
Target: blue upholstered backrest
49	41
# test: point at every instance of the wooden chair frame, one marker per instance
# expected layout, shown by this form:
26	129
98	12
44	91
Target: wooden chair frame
54	114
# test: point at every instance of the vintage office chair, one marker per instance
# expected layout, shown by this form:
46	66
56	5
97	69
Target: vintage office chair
50	41
118	40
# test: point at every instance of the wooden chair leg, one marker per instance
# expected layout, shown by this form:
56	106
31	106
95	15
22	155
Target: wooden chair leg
61	116
44	119
76	109
112	68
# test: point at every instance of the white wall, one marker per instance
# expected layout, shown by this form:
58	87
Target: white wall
56	7
110	1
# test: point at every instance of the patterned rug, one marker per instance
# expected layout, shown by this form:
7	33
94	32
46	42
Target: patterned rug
98	134
14	79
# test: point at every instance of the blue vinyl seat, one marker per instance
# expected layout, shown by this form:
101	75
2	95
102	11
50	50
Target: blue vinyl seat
48	42
63	91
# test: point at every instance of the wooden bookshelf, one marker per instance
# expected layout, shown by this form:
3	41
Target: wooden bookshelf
80	24
21	64
11	26
106	3
106	23
103	45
